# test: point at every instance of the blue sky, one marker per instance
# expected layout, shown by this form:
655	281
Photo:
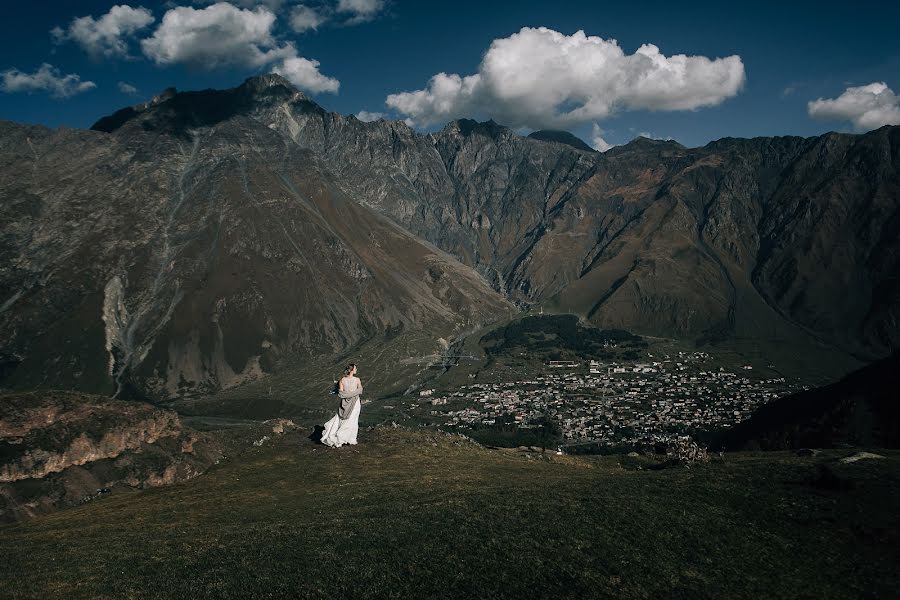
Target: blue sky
787	57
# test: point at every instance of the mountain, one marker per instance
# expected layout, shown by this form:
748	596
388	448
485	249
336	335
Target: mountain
560	137
193	248
861	409
740	239
203	239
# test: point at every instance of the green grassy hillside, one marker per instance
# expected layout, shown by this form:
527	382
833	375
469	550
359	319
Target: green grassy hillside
411	514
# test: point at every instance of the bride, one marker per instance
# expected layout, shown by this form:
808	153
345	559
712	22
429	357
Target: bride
343	427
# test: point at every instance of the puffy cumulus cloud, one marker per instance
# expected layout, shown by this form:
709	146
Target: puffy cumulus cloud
368	117
304	73
597	141
867	107
273	5
304	18
216	36
105	37
46	79
540	78
447	97
360	10
126	88
224	35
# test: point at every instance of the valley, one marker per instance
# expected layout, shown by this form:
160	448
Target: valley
589	389
206	240
436	300
220	256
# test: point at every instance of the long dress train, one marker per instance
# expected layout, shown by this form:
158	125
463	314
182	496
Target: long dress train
340	431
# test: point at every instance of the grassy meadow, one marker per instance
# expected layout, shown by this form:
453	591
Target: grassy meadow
424	514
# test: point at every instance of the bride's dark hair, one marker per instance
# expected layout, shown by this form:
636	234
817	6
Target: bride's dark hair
346	373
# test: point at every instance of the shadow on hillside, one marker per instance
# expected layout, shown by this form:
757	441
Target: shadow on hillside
316	436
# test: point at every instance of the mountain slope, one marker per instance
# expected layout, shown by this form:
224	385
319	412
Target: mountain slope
194	248
861	409
221	233
741	238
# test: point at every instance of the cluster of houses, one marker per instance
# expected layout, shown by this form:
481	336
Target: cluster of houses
612	404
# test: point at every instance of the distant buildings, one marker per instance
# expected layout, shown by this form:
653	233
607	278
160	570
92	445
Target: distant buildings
562	364
616	404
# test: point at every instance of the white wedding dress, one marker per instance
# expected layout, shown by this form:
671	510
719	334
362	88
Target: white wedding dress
340	431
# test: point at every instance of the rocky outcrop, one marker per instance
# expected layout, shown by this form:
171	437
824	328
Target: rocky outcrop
36	462
61	448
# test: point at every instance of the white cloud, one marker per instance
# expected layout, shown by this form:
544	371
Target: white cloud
224	35
360	10
304	18
273	5
367	116
126	88
597	141
46	79
353	12
867	107
447	97
216	36
105	37
540	78
304	73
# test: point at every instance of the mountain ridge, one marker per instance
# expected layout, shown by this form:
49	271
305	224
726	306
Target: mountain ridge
738	240
431	186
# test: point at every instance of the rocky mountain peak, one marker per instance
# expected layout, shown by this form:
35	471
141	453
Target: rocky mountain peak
174	111
560	137
120	117
649	146
161	97
467	127
269	85
646	142
267	80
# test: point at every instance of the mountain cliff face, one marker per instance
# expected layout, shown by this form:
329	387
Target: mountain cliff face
740	238
194	248
201	239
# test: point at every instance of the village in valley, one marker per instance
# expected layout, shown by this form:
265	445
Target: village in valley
614	405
